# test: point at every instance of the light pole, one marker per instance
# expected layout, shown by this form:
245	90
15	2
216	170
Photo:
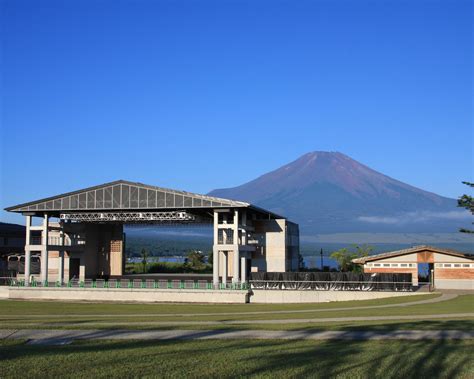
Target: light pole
321	259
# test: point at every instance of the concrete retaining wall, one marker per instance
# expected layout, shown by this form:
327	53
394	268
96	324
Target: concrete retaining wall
454	284
127	295
288	296
190	296
4	292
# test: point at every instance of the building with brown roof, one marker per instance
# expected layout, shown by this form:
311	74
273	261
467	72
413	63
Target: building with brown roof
446	269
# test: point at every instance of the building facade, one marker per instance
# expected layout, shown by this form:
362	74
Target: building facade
447	269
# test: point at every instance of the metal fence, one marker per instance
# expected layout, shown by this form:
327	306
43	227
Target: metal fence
338	281
129	284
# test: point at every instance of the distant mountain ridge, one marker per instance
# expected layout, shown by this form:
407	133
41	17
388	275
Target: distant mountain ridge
328	192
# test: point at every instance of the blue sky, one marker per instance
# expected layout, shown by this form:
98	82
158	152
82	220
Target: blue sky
198	95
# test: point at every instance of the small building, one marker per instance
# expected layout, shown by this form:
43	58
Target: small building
445	269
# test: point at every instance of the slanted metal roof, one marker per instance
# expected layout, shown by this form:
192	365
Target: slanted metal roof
412	250
125	195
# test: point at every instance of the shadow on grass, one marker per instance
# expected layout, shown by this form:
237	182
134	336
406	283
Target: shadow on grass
230	358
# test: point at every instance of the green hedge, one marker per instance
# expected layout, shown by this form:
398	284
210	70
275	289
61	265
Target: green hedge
166	267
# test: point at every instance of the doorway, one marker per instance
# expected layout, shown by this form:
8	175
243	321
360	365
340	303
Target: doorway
424	273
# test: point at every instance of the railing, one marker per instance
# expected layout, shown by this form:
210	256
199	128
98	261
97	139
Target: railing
330	285
53	240
130	284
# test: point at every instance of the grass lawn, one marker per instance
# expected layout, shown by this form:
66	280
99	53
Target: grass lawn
16	314
224	359
18	307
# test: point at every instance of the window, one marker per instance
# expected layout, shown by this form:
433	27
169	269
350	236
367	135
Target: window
465	265
403	265
447	265
386	265
457	265
377	264
394	265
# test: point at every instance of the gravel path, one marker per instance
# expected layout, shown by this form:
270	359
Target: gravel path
61	337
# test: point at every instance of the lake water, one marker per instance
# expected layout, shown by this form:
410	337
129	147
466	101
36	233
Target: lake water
173	259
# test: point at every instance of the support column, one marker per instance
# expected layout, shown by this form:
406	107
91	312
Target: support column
244	228
82	270
28	251
61	254
215	253
215	266
224	267
44	250
236	264
243	268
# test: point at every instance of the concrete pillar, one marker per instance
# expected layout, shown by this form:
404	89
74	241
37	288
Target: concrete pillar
224	267
215	266
61	254
243	268
28	251
215	252
244	229
82	271
236	271
44	250
414	276
235	226
236	264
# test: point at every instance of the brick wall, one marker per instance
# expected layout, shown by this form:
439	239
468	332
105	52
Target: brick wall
453	273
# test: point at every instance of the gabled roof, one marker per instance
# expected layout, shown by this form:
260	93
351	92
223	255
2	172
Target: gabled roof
412	250
124	195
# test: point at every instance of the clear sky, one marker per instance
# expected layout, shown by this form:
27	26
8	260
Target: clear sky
198	95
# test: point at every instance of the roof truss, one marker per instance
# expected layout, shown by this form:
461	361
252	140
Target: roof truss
123	195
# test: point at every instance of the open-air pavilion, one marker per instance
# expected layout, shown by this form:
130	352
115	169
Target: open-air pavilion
87	241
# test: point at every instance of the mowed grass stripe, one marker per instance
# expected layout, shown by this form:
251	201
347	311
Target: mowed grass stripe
231	358
56	308
461	304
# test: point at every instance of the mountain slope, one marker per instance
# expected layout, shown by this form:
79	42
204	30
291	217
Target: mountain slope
328	192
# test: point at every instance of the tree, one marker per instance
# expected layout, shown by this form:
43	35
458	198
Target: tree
196	259
210	258
344	256
467	202
144	255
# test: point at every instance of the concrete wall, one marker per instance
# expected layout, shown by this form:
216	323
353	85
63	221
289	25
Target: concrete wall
190	296
279	246
4	292
454	284
272	234
287	296
124	294
53	266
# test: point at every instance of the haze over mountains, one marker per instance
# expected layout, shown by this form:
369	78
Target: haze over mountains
328	192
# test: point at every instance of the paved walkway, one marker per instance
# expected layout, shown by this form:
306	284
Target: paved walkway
443	297
61	337
276	321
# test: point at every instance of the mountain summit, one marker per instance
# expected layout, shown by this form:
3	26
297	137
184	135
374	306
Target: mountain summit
328	192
